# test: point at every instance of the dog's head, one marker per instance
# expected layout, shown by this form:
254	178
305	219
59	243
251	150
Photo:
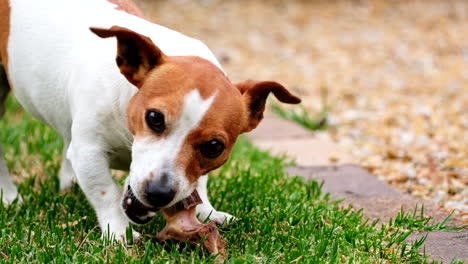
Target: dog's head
185	117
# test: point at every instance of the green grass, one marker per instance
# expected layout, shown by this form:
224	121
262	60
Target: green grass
281	219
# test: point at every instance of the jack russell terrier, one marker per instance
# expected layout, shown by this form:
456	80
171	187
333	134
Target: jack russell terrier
151	101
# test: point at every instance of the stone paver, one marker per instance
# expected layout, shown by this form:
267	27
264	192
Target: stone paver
363	190
381	201
283	137
445	245
346	180
359	188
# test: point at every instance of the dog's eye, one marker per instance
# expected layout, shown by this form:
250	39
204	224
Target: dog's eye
155	120
212	149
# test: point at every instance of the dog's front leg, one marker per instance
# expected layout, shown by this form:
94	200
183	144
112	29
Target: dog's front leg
91	165
205	210
66	175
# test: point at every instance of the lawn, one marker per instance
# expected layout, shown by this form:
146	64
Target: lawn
281	219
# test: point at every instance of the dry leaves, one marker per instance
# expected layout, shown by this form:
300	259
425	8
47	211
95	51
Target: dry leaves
72	223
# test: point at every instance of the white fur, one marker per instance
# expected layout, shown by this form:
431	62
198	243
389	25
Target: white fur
66	175
205	210
8	191
66	76
153	156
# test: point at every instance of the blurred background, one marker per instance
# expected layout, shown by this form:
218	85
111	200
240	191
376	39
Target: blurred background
387	80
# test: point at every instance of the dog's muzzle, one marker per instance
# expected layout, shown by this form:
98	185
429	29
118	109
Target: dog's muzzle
135	210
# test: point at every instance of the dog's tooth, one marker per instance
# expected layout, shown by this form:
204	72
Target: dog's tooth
129	201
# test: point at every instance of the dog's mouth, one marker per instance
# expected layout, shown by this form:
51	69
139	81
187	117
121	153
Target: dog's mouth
135	210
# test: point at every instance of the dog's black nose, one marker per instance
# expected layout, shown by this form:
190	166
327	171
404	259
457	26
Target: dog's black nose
159	195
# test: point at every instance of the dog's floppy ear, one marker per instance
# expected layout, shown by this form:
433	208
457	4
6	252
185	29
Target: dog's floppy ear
255	94
136	54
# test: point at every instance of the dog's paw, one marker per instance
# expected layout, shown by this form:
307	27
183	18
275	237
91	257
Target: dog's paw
66	185
120	236
9	195
206	212
221	218
115	227
67	178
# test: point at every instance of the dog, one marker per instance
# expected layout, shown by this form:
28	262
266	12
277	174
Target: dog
127	94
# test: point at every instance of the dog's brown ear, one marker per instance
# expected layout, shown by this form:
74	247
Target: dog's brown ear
136	54
255	94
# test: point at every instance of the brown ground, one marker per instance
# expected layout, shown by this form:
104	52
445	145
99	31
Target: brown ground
396	73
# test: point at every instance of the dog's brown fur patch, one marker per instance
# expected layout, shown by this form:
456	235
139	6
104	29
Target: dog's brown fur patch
4	31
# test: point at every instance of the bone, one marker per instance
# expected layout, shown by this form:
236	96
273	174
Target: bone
183	225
